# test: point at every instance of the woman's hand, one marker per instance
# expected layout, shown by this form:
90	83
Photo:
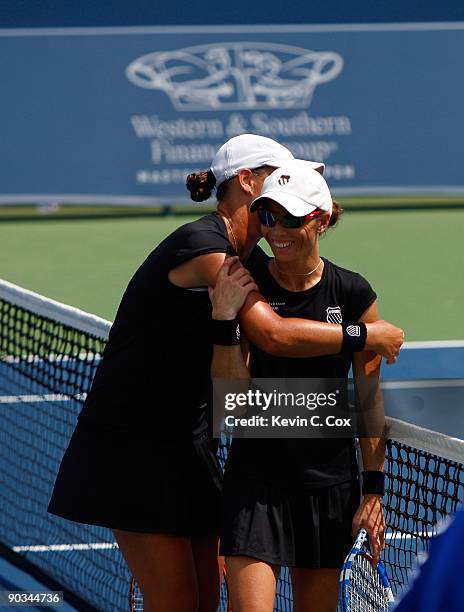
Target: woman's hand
385	339
233	284
370	516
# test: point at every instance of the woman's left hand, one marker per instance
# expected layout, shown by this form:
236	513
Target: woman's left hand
370	516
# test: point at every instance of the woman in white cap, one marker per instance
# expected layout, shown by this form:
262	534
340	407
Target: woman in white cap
140	461
293	502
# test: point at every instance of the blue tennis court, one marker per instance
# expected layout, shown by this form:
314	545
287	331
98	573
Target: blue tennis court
47	359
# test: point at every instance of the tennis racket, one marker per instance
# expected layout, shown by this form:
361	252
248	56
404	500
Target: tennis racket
363	587
136	597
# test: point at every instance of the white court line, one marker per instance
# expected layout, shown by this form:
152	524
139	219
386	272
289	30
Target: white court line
42	548
433	344
408	536
51	397
423	384
67	547
86	198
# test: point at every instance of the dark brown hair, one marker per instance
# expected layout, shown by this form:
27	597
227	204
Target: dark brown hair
201	185
337	212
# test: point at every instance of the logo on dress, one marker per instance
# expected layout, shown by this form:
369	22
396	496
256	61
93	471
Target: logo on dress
236	75
334	315
284	179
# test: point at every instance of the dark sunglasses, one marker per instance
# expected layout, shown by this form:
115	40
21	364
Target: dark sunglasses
269	219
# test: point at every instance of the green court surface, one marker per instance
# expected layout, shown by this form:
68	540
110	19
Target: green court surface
413	259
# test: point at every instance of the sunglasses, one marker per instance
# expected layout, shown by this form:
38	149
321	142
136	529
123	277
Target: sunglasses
269	219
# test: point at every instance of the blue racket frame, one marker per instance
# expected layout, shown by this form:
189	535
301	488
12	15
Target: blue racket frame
360	547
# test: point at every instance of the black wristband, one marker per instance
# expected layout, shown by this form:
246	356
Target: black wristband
226	333
354	337
373	482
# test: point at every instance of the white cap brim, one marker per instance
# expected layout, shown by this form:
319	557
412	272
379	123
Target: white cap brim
293	204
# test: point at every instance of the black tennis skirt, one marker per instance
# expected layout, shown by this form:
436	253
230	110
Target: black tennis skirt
296	528
131	480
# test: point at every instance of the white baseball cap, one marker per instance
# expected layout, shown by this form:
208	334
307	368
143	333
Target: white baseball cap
247	151
297	187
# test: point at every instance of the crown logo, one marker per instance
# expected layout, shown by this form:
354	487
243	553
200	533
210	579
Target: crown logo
236	76
284	179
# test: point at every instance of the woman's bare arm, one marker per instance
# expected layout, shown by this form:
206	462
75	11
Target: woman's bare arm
366	368
285	337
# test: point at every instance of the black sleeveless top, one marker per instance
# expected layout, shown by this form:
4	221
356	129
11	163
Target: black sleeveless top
339	296
155	369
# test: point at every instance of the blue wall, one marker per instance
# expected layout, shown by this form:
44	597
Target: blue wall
48	13
100	114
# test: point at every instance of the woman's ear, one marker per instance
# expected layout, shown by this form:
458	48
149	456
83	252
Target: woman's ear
323	226
252	182
246	181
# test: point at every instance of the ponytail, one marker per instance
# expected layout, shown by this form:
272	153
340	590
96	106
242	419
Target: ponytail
201	185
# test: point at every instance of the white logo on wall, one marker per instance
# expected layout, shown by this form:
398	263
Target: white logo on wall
334	315
233	76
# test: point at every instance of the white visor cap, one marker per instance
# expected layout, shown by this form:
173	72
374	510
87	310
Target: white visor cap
247	151
297	187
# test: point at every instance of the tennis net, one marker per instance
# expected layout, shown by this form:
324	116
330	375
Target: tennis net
48	356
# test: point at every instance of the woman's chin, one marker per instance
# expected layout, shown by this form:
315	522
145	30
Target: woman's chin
281	255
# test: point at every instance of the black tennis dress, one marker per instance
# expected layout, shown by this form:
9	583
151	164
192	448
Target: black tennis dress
140	458
291	501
